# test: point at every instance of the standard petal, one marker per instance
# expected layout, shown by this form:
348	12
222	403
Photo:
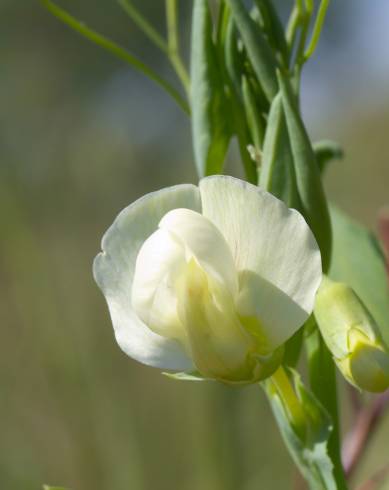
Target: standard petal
114	271
274	250
203	240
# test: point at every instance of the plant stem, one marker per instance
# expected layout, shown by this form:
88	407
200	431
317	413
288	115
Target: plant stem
322	378
173	44
317	28
287	394
299	18
291	30
115	49
144	25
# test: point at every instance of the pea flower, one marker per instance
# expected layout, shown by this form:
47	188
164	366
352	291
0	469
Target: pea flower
352	336
210	279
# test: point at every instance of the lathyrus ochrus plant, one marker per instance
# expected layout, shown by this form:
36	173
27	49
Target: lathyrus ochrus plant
206	280
229	280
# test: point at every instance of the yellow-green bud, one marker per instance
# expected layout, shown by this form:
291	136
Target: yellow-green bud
352	336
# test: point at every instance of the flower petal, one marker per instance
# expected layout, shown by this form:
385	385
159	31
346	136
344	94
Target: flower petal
114	271
274	250
220	346
158	266
203	240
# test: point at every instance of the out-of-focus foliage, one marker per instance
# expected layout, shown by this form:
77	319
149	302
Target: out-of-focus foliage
81	136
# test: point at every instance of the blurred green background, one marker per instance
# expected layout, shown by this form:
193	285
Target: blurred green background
81	136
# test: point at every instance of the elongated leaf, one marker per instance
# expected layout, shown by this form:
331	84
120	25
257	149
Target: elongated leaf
238	66
325	152
233	59
274	28
253	115
259	52
317	28
359	262
322	380
277	175
309	185
210	127
308	448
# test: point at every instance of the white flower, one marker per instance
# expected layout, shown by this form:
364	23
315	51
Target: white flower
212	279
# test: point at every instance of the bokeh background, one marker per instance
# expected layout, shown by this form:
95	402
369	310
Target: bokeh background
81	136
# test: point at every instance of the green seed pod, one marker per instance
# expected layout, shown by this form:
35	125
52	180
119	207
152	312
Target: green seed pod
352	336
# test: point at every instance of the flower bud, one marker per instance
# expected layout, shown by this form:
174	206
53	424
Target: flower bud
352	336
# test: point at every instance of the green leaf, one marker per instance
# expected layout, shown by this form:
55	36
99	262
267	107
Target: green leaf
308	448
234	60
210	129
277	173
259	52
358	261
322	379
253	116
274	29
317	28
309	185
325	151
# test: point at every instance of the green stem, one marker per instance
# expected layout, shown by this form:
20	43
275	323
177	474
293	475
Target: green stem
115	49
173	44
317	28
144	25
290	400
241	130
300	18
291	30
305	21
223	17
309	6
169	47
322	376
